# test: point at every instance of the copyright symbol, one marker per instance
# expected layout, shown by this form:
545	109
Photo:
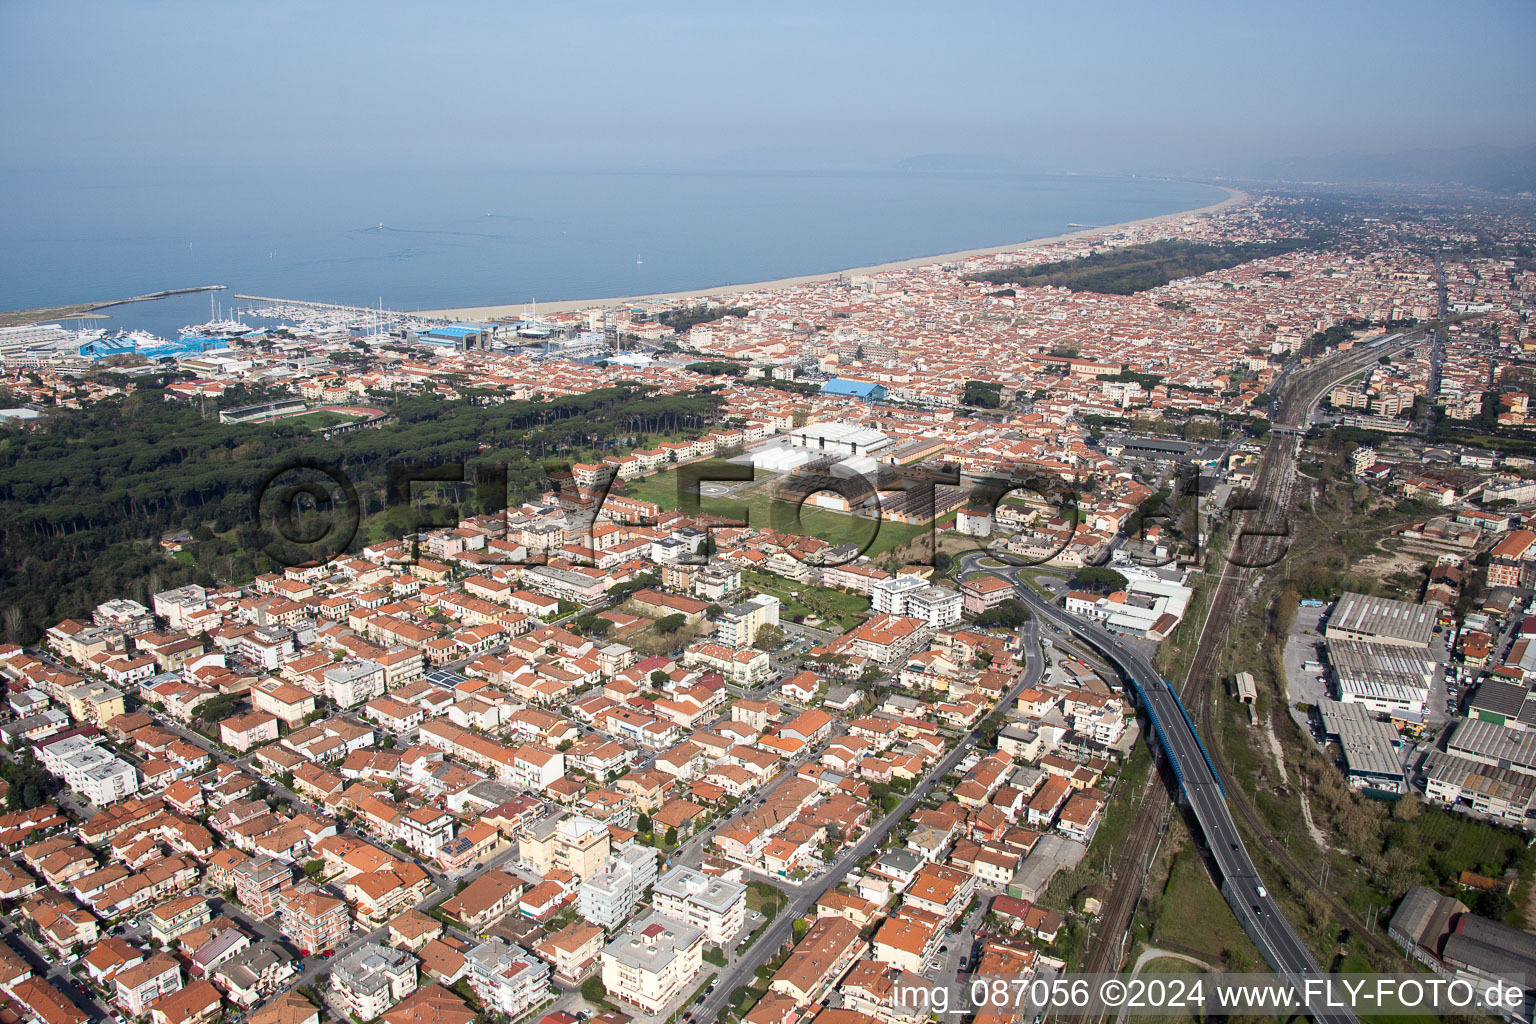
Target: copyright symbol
1113	992
312	509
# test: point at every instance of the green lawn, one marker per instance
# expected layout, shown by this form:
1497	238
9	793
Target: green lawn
1191	915
319	420
758	508
1167	965
765	899
799	599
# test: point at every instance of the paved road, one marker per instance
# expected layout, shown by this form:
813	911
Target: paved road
778	931
47	966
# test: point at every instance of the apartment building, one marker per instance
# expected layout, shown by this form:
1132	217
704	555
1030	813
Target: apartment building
941	891
506	978
372	978
652	962
254	972
258	885
535	767
573	951
608	898
353	682
174	918
289	703
141	985
715	906
1512	561
426	830
313	921
575	842
95	702
97	775
242	732
197	1003
486	899
819	961
738	624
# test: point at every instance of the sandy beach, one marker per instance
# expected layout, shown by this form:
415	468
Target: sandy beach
1234	196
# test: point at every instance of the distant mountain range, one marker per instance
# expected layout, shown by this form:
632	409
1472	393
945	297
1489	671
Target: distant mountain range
1495	168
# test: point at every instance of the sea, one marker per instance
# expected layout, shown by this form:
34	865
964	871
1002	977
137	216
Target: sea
413	238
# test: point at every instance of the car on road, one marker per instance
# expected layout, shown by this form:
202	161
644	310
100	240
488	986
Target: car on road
934	965
328	954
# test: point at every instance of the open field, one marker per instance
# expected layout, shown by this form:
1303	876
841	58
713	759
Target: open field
797	600
756	504
1190	915
319	419
1168	965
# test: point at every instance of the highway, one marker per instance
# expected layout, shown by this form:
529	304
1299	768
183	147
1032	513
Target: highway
1259	541
1254	905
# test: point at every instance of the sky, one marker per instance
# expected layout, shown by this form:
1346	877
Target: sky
1106	86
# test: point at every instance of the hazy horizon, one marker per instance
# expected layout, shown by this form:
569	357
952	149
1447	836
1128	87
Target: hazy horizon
1191	90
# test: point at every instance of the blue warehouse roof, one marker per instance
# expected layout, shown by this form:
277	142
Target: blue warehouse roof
854	388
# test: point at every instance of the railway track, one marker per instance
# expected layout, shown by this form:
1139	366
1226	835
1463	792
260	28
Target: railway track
1262	527
1274	491
1108	950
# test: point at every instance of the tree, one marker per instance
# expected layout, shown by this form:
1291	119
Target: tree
30	783
594	991
983	394
671	623
769	638
671	835
15	622
216	709
658	677
1011	614
1094	578
643	824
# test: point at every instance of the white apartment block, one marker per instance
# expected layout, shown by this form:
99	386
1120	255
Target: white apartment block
715	906
652	962
425	830
740	622
507	978
372	979
916	598
98	776
610	896
354	682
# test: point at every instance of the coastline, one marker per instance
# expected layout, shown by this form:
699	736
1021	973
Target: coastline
1234	197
